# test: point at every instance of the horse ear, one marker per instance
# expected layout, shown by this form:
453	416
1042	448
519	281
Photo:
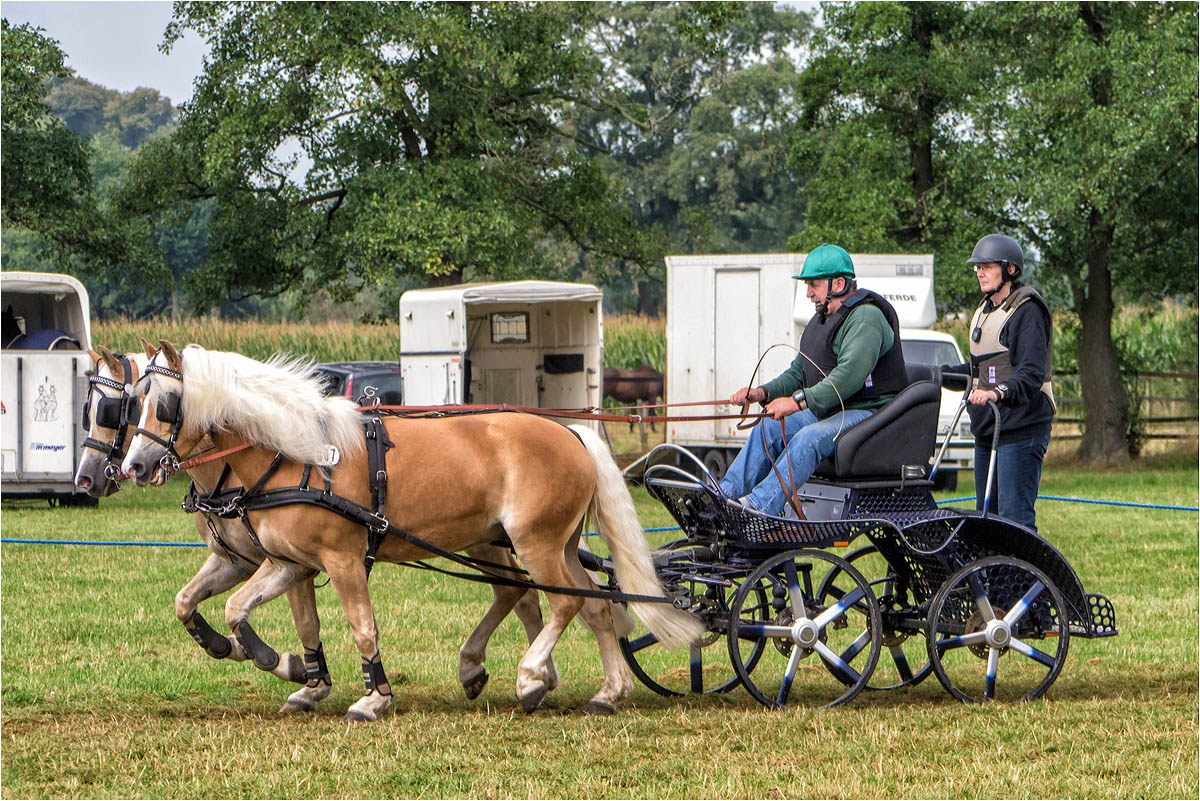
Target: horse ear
114	365
148	348
95	356
173	359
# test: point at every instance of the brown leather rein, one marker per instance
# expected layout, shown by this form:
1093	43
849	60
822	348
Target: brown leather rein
586	413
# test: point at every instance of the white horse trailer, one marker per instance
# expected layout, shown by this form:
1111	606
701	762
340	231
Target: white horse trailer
724	311
43	384
522	343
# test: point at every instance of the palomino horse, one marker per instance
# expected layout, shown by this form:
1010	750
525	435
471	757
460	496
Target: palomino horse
234	556
455	482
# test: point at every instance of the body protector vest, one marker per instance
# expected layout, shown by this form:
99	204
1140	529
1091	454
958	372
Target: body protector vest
887	377
990	361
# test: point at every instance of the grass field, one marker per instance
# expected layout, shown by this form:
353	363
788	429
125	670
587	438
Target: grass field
104	695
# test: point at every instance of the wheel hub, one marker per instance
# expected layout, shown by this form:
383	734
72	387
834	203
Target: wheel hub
805	633
997	634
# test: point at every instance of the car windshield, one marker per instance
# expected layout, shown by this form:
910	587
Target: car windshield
926	351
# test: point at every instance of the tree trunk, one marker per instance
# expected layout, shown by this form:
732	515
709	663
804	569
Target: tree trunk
1104	397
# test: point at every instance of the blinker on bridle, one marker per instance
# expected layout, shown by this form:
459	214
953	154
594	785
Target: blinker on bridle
114	413
166	411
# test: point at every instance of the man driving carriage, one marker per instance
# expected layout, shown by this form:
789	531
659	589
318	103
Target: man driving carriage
850	364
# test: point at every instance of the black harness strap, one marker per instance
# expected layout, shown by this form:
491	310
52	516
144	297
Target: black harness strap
357	513
378	526
377	448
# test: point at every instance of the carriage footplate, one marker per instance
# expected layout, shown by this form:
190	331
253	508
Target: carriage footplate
1104	618
704	514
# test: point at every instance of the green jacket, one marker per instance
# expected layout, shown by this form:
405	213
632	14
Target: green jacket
862	340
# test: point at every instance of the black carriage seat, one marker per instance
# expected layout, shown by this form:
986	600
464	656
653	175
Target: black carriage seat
900	434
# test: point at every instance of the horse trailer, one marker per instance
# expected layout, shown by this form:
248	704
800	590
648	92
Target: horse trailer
533	344
44	361
724	312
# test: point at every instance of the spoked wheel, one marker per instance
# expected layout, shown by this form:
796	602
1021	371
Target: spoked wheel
703	667
905	660
998	630
821	653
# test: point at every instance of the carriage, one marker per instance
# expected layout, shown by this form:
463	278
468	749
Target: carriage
985	604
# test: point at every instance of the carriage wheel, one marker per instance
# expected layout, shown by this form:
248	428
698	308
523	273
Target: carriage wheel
905	660
812	642
997	630
701	668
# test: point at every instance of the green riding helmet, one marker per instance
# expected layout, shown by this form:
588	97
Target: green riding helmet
1004	250
827	261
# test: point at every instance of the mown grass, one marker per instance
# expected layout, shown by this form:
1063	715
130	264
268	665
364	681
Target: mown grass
104	695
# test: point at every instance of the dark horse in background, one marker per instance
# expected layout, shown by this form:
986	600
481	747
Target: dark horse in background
629	386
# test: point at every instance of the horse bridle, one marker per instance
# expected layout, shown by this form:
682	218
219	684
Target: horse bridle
166	411
114	413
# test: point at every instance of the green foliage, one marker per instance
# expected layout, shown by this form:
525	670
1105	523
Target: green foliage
879	140
632	340
703	163
1113	87
90	110
354	144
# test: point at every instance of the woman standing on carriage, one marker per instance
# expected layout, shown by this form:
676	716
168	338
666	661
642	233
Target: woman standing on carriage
1011	339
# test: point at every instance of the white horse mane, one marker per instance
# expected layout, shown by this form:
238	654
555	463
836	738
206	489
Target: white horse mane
277	404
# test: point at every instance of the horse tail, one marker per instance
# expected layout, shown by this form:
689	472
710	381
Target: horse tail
612	509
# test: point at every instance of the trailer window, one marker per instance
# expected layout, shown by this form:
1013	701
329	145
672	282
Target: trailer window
510	327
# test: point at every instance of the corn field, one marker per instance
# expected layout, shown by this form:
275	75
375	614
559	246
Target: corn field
321	342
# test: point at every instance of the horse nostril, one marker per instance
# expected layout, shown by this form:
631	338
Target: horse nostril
136	469
84	483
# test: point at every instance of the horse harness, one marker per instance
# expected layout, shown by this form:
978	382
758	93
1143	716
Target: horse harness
111	413
237	503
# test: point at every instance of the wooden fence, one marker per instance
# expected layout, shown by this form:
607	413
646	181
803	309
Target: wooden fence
1165	400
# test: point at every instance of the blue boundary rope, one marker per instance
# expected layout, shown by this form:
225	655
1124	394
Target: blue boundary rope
1088	500
14	541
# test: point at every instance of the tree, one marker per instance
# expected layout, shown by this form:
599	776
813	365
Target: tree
45	166
1071	126
878	140
1094	120
347	144
704	164
47	186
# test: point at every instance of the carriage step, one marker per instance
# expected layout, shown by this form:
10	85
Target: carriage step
1104	616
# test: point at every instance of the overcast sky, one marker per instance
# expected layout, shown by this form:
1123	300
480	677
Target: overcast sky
115	44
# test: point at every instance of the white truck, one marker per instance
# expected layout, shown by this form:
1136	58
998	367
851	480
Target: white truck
522	343
43	383
725	311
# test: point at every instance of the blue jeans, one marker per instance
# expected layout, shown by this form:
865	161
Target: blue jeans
809	441
1018	473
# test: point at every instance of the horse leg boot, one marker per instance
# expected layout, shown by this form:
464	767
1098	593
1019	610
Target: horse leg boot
349	578
271	580
302	597
215	577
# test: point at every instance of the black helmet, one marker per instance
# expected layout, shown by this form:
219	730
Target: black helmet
1001	249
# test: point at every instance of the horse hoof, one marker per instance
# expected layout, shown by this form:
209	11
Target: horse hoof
473	687
297	706
532	701
356	716
600	708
